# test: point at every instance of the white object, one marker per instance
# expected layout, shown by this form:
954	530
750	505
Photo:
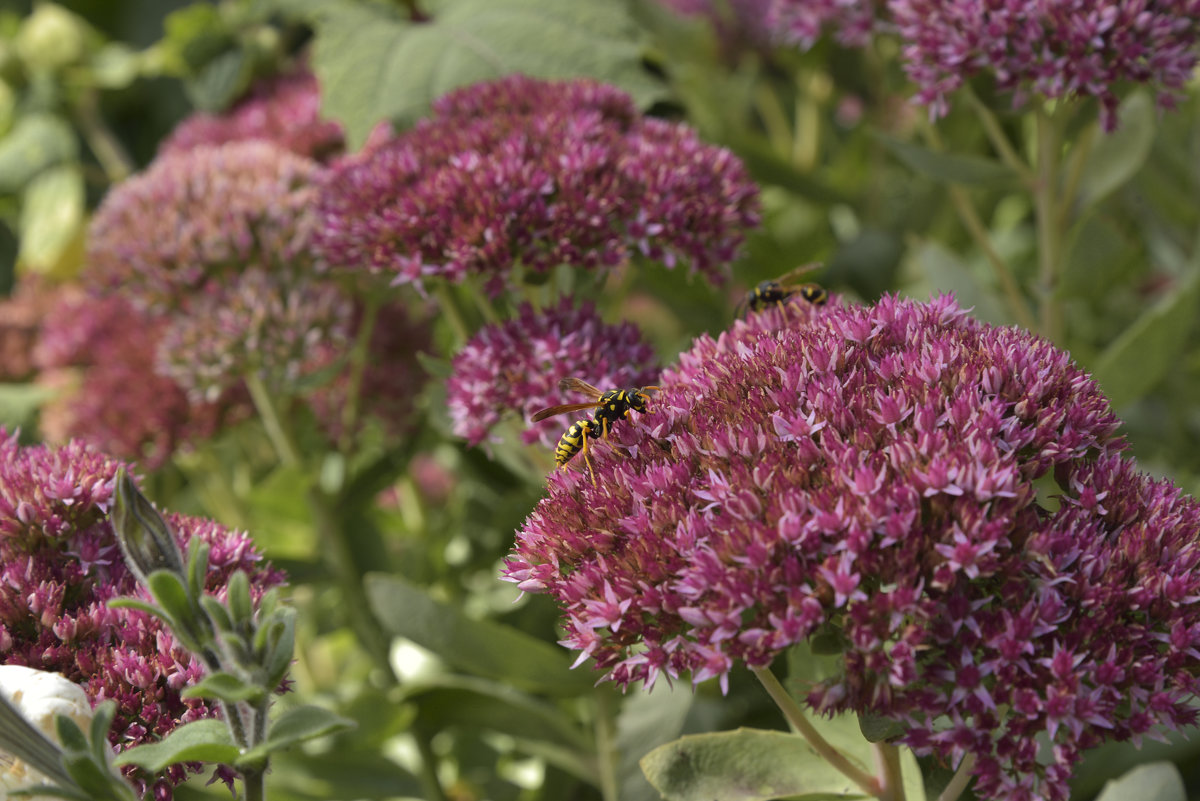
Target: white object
38	696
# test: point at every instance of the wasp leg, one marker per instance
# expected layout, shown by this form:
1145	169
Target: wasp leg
587	459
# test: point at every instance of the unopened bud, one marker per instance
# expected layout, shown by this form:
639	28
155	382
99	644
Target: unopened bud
145	538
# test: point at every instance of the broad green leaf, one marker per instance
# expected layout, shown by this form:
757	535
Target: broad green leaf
949	167
729	765
51	227
1098	258
225	687
743	765
877	729
1115	157
1157	781
295	726
205	740
479	647
481	704
646	721
1142	355
36	142
373	65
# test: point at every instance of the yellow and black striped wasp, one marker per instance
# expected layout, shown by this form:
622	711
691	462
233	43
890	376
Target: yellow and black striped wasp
610	406
782	289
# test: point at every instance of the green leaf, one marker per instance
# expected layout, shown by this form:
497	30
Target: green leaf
241	608
221	81
877	729
205	740
225	687
35	143
479	647
743	765
1116	157
51	226
295	726
1142	355
949	167
646	721
754	765
475	703
1157	781
374	66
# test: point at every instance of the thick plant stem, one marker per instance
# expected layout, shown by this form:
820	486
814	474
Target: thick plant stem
449	306
795	715
254	783
995	134
605	746
1045	198
888	771
428	771
962	777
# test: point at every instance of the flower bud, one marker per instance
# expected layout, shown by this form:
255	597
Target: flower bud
51	38
145	538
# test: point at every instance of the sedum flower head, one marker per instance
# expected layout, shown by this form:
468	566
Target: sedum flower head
1068	48
516	366
61	565
198	216
946	497
802	22
284	109
535	173
116	400
278	327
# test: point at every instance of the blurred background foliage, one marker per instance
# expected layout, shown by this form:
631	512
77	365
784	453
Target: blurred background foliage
460	692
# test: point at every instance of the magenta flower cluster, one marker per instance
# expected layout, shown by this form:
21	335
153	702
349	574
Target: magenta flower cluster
61	565
525	173
513	368
1067	48
802	22
284	109
946	496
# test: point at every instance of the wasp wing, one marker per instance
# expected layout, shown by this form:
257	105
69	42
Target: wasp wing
561	409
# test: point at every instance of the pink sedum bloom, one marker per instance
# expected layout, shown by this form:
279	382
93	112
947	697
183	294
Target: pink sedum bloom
61	565
515	367
947	497
527	173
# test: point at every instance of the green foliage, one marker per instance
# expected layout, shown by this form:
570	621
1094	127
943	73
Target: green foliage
375	66
199	741
1156	781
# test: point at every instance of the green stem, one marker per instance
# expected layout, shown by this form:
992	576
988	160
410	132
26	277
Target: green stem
429	778
107	149
490	315
791	710
995	133
1012	292
606	753
1048	235
358	366
962	777
449	304
774	120
1080	150
272	421
888	772
254	783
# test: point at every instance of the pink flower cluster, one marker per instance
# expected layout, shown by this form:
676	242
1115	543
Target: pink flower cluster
946	497
284	109
1065	48
100	352
60	565
804	21
516	366
528	173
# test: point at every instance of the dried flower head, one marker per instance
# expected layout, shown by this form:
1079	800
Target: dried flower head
532	173
515	367
1067	49
61	565
200	216
946	497
284	109
281	328
119	403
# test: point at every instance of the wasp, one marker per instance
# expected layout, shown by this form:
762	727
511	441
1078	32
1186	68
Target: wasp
610	406
781	290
